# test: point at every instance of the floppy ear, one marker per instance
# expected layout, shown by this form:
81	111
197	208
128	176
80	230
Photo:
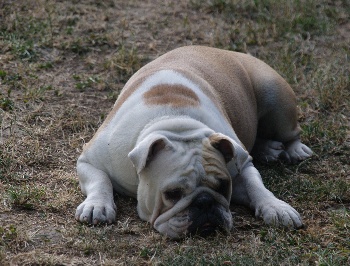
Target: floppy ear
229	148
147	149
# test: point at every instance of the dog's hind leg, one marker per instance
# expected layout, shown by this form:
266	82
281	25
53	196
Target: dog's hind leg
278	134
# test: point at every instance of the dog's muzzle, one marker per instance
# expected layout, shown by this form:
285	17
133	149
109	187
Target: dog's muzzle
207	216
202	212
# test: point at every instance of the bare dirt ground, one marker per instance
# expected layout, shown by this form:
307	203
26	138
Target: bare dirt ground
62	65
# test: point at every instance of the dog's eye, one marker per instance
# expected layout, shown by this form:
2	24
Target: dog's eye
173	195
223	188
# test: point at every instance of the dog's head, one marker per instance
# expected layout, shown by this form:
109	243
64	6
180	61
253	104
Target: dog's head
185	186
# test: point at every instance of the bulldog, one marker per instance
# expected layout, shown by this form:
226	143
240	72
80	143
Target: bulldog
179	139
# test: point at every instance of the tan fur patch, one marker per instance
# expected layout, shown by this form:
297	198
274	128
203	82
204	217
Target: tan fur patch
174	95
214	166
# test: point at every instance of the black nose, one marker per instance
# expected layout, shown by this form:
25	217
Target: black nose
205	215
207	230
203	201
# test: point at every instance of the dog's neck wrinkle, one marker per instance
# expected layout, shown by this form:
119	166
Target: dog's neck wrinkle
182	128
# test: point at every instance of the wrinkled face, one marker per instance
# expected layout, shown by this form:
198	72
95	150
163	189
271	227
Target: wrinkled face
185	188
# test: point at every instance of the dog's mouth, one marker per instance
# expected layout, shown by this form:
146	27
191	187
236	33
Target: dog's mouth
207	227
207	217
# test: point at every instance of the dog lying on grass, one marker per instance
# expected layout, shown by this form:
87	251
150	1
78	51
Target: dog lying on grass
178	139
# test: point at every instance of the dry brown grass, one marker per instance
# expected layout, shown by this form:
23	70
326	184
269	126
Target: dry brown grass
62	65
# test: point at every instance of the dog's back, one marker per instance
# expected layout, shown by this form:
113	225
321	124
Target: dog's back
219	74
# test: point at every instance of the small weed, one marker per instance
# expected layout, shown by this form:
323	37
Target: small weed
215	6
326	132
332	88
13	77
69	30
124	62
12	238
220	5
23	33
340	218
88	250
2	74
79	48
25	197
5	164
328	256
86	83
24	49
70	23
6	103
46	65
145	253
7	234
34	94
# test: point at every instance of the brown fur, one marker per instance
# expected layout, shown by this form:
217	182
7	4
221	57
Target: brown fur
174	95
214	166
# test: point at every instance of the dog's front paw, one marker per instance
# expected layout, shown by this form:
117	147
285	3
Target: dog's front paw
93	211
278	213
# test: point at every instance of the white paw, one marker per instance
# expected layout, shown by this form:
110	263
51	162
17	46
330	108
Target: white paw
94	211
268	150
298	151
278	213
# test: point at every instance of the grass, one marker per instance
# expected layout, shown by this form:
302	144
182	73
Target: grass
62	65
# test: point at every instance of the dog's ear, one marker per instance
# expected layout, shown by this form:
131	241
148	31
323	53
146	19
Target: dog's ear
229	148
223	145
147	149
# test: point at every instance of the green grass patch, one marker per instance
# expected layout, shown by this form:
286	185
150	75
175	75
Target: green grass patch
269	21
6	103
46	65
25	196
125	62
79	47
81	83
24	33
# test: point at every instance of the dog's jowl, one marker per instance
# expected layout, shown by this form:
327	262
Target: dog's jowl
179	140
